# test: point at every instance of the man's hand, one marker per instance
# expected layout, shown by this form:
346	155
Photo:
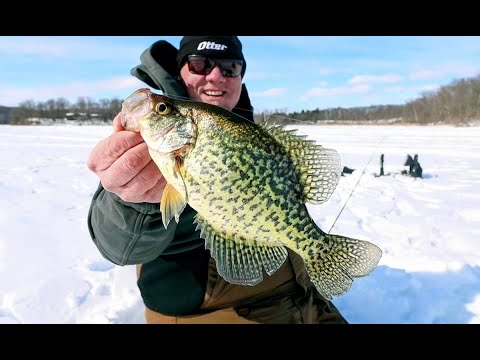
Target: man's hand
125	168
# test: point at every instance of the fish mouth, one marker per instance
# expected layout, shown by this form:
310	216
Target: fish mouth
135	107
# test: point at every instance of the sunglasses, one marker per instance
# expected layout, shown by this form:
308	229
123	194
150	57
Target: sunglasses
202	65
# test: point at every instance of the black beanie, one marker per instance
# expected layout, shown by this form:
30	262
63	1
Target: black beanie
220	47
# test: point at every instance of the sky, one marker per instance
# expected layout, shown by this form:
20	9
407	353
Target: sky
288	73
428	228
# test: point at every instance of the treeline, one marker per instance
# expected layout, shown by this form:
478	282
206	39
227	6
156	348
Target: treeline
5	114
354	114
60	109
456	103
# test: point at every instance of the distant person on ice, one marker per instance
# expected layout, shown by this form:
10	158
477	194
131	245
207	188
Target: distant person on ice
414	168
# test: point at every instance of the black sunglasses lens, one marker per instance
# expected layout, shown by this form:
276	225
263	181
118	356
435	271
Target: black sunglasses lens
230	68
198	65
202	65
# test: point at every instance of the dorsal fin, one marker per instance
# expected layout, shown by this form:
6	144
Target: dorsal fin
319	168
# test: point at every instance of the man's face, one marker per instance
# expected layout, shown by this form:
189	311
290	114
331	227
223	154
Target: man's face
213	88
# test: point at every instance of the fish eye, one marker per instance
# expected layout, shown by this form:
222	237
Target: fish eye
162	108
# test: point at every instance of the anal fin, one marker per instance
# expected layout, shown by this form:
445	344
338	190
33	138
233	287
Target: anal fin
241	261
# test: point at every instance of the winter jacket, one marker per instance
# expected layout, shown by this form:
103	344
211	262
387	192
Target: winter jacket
175	262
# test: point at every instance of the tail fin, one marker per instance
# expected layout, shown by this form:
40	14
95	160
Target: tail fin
332	271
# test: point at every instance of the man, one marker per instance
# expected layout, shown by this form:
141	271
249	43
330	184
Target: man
178	280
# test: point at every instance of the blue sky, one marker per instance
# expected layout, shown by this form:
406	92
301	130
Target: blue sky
283	73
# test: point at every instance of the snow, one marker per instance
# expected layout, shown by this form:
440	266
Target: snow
428	229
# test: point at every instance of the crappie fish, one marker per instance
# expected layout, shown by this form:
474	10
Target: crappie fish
248	184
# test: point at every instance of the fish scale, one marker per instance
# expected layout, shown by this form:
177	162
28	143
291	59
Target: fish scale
249	185
245	166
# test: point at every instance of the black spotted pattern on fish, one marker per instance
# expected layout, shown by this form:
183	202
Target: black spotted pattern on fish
249	185
261	181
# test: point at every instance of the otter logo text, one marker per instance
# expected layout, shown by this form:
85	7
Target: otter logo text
210	45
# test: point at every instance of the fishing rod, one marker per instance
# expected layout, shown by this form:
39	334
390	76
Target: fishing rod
351	193
358	181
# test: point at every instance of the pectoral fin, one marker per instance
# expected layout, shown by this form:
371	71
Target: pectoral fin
171	205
